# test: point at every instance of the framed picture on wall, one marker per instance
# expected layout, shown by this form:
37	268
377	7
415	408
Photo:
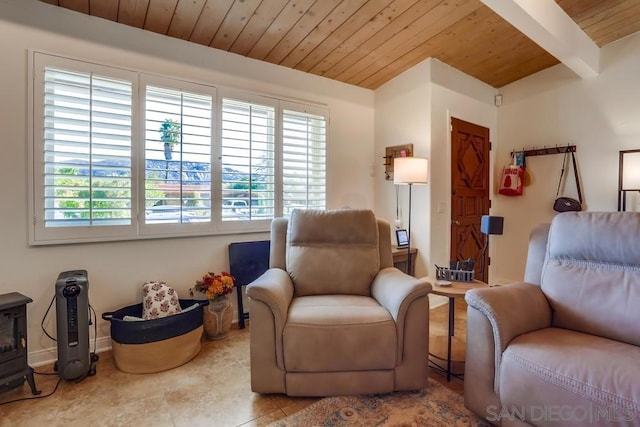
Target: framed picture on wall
405	150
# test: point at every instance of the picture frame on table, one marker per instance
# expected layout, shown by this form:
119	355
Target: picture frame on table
402	238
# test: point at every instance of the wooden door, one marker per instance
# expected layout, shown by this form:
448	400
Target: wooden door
469	191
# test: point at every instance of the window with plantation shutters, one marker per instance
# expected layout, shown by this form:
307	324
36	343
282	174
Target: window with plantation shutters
178	137
304	173
117	154
248	160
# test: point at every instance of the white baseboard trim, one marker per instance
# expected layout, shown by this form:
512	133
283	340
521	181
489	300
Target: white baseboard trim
48	356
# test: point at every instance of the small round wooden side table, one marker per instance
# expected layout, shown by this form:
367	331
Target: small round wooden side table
455	347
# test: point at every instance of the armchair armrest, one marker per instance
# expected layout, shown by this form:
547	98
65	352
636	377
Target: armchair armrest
270	296
512	310
395	291
275	289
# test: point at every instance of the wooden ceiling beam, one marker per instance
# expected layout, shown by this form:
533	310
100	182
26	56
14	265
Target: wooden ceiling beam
544	22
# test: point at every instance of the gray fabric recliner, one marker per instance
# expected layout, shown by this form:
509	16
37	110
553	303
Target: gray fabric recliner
332	316
564	348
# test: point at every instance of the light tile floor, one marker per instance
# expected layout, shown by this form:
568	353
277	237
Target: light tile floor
211	390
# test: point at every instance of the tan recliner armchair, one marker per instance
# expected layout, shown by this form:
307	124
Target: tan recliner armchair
562	348
332	316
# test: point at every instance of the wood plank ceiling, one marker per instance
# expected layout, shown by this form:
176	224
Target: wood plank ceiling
365	42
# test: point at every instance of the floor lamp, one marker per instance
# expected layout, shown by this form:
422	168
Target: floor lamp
628	176
409	171
489	225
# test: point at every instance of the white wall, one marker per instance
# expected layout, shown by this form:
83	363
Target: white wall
117	270
402	117
600	115
416	107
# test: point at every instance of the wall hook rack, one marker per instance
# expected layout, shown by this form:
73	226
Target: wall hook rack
547	150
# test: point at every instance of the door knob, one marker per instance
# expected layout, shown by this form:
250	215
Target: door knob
456	222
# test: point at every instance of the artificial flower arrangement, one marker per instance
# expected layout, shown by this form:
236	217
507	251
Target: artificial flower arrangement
214	285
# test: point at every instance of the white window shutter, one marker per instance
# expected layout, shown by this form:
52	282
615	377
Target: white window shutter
87	149
178	138
248	161
304	172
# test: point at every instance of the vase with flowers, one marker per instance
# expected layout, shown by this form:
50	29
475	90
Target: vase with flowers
218	314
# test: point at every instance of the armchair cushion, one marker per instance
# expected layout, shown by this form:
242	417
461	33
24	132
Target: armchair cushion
566	368
332	252
331	333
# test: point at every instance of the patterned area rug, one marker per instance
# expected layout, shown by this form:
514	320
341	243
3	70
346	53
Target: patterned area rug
434	406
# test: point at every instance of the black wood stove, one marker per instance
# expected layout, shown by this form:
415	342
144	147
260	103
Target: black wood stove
14	368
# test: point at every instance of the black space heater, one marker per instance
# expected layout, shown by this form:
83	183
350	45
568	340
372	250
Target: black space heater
72	320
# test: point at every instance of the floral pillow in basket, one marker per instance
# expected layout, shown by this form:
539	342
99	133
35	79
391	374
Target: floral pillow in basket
159	300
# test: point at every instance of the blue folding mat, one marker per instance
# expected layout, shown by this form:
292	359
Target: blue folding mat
247	261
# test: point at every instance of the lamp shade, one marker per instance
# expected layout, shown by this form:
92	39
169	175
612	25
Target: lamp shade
410	170
631	170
